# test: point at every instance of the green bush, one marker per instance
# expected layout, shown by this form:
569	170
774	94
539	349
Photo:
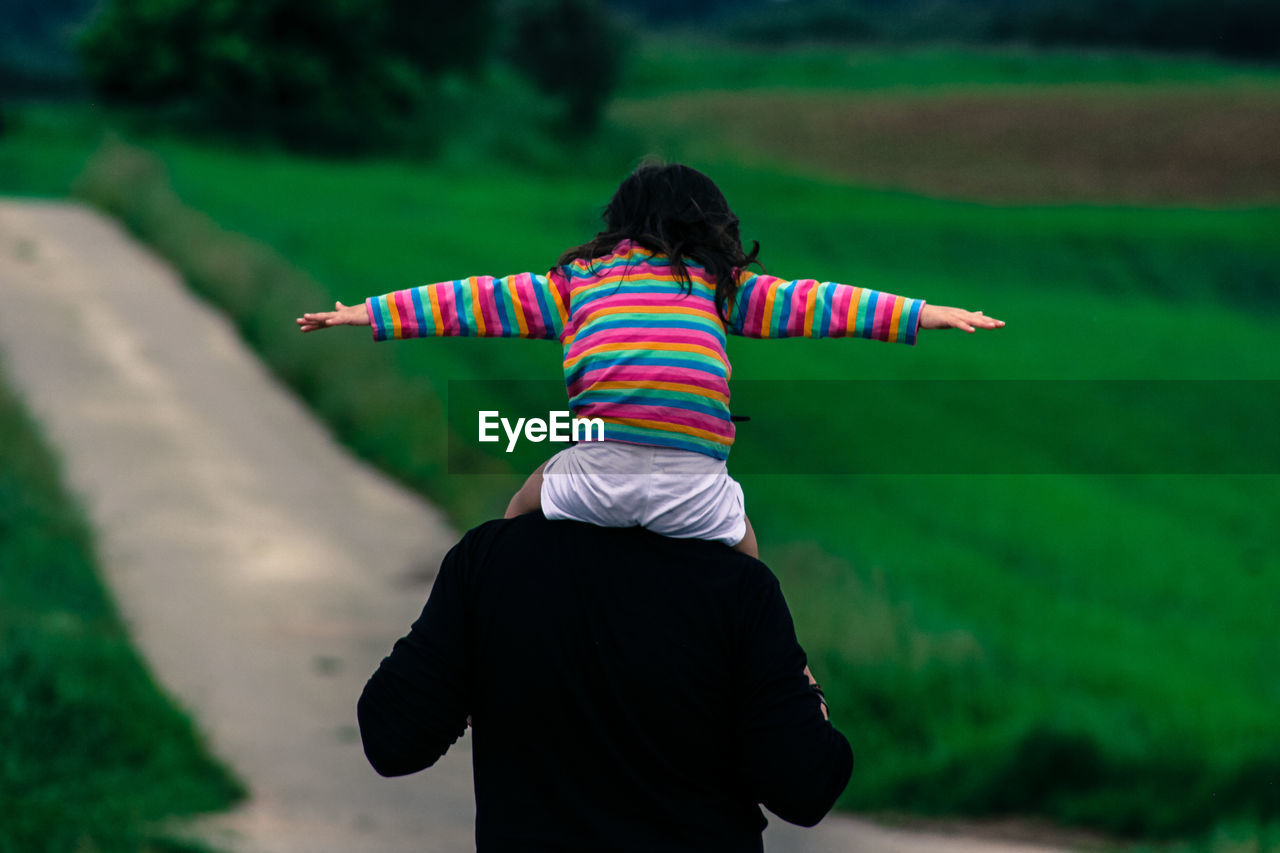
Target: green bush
316	75
568	48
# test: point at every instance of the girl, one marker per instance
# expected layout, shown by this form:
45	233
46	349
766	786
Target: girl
642	311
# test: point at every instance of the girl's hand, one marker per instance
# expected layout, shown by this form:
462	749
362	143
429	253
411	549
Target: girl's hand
941	317
342	315
822	699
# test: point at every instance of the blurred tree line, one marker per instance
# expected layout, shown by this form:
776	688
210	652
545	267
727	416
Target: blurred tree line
348	76
334	76
36	53
1240	29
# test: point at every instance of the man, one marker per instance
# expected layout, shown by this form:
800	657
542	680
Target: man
626	691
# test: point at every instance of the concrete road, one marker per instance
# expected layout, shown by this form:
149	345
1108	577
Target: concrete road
262	570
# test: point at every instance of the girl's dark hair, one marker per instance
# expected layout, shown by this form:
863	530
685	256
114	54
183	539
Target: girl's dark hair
678	212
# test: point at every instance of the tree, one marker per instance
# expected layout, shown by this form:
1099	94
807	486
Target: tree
568	48
35	46
440	35
326	75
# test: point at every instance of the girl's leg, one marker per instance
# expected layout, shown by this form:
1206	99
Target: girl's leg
529	498
748	544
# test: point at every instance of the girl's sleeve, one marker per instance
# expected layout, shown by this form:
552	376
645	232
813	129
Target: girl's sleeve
527	305
769	307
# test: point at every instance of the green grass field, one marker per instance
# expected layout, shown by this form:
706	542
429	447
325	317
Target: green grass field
996	125
1097	649
94	756
671	65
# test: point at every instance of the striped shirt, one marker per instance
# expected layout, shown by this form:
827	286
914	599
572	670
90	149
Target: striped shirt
641	354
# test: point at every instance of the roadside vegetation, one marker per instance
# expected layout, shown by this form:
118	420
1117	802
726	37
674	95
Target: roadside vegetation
94	757
1095	649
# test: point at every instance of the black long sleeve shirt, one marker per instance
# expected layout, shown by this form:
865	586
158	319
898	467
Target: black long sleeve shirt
628	692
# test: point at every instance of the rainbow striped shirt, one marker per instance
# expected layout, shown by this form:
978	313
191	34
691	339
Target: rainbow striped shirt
639	353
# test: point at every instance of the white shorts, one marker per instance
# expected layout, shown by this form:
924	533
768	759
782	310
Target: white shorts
677	493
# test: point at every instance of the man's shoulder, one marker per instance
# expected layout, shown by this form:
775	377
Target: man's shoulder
533	538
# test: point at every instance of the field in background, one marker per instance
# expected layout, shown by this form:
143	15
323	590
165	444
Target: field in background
1096	649
1100	144
94	756
980	125
670	65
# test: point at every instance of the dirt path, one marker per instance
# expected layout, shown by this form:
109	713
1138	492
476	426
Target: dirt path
262	571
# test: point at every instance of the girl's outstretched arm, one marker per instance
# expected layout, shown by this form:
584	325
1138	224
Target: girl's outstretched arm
527	305
769	307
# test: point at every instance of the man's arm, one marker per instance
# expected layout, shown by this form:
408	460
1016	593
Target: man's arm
415	705
795	763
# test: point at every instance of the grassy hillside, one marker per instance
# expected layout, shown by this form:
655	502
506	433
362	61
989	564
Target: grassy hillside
1094	647
668	65
93	755
993	125
1094	143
